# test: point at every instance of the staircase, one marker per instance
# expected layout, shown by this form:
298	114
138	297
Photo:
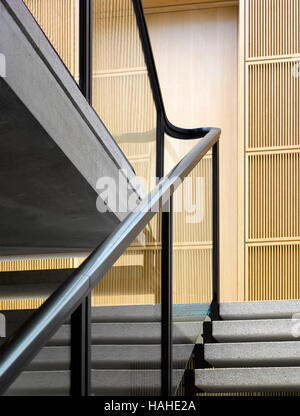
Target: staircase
256	349
252	349
126	351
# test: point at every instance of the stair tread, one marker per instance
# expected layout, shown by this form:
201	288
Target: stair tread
259	379
284	353
104	382
111	357
256	329
130	382
259	309
35	383
149	332
137	356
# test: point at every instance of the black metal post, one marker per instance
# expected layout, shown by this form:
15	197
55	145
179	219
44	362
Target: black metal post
81	318
85	48
216	240
160	145
81	349
166	268
166	300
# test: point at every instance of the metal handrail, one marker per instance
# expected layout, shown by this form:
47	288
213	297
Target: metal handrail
169	128
21	348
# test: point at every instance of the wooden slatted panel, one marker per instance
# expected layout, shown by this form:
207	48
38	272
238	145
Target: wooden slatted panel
36	264
273	271
192	236
272	149
116	38
124	102
273	27
123	99
192	274
193	203
138	282
274	105
273	196
122	95
136	276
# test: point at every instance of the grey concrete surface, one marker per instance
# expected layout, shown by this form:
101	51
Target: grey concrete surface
257	330
137	357
143	333
149	313
104	383
126	356
110	357
33	284
279	309
278	379
45	201
41	383
253	354
129	382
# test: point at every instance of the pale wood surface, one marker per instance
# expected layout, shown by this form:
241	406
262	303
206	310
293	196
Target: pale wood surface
241	292
196	55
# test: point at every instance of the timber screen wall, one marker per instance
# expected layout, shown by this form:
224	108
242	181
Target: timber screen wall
272	149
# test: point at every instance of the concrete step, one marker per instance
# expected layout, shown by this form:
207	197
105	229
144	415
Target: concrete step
100	314
253	354
268	379
130	382
257	330
137	356
148	313
111	357
104	383
126	313
41	383
62	337
51	359
274	309
143	333
31	284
